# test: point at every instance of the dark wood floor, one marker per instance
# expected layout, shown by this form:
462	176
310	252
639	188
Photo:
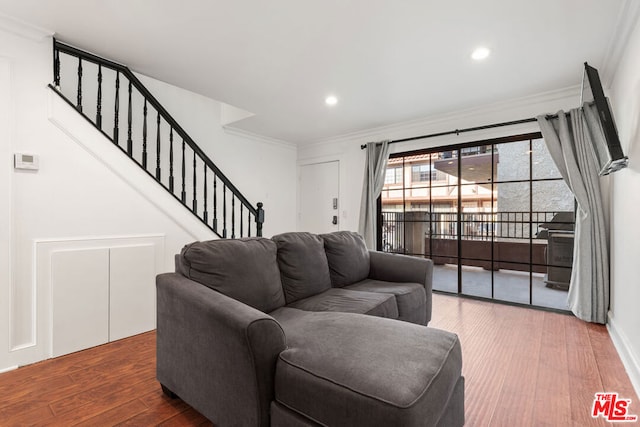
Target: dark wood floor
526	367
113	384
523	368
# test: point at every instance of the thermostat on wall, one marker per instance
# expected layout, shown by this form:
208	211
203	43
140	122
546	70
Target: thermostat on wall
26	161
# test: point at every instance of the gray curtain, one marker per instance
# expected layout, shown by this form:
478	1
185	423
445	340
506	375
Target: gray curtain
571	145
374	172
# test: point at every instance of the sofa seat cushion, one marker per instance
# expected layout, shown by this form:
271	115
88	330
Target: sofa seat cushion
374	372
348	301
410	297
303	265
243	269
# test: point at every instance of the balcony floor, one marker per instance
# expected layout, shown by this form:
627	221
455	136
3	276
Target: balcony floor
509	285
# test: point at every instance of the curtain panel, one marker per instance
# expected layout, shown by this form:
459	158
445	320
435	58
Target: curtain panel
570	141
377	155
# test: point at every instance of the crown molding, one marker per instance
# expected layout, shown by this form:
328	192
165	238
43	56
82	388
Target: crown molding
625	24
260	138
24	29
471	115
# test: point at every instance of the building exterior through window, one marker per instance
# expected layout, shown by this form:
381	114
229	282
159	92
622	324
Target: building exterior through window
495	217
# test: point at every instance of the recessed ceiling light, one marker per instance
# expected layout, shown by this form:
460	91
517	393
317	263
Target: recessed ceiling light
480	53
331	100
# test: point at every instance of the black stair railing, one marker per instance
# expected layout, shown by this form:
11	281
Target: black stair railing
230	218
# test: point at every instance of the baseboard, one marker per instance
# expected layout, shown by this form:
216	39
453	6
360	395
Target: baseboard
630	359
10	368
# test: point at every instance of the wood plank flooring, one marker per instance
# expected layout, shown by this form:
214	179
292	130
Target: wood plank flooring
113	384
523	367
526	367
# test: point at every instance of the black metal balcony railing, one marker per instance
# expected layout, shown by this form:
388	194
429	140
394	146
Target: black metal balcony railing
482	226
168	156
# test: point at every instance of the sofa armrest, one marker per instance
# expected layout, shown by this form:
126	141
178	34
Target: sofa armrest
216	353
402	268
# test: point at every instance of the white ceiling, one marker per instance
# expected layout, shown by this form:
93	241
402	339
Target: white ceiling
387	61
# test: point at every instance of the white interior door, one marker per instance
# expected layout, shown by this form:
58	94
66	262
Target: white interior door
319	204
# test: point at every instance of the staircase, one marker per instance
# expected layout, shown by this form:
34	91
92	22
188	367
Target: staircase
114	100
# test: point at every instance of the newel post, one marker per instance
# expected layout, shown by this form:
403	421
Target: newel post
56	65
259	219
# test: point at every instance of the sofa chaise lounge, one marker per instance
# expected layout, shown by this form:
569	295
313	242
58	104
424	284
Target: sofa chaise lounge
305	330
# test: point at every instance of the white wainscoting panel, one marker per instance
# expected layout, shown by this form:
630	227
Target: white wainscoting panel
80	295
132	291
72	274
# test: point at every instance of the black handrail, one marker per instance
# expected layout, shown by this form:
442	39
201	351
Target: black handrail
59	47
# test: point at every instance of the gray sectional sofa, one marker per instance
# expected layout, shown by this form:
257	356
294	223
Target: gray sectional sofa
305	330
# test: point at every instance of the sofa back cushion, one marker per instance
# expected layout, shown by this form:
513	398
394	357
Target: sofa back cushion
348	257
243	269
303	265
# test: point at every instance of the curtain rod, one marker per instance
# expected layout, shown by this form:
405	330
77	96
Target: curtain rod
459	131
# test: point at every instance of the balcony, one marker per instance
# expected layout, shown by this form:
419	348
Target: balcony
522	257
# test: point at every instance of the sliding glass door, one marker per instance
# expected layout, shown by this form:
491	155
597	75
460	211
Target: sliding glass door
495	217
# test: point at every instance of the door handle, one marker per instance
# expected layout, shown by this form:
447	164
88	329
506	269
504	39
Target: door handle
334	221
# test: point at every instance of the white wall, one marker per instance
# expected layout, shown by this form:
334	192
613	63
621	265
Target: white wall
621	192
624	315
85	189
262	169
347	149
5	194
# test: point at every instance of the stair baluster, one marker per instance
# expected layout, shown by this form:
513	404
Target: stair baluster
224	211
205	213
79	103
116	109
158	170
99	99
195	197
184	193
171	160
144	136
233	217
129	123
215	204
